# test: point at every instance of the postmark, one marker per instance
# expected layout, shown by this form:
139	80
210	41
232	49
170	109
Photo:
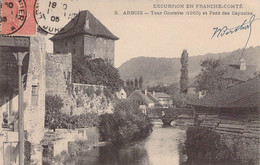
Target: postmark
51	16
13	16
17	18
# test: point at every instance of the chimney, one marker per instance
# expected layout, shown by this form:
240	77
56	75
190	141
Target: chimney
242	64
145	92
87	24
153	92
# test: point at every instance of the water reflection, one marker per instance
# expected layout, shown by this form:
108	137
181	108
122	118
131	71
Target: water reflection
161	147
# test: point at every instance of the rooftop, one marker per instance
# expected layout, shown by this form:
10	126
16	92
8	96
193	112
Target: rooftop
246	94
77	26
139	95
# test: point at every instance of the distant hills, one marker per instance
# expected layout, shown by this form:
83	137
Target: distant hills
159	71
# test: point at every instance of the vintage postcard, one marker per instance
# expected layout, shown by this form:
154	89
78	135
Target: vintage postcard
136	82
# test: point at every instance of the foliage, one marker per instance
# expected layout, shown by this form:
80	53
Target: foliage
184	70
77	147
96	71
205	145
210	78
141	81
90	91
131	83
136	83
129	90
52	112
127	82
108	92
98	92
126	124
54	119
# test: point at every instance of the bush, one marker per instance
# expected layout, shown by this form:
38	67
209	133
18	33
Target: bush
108	92
126	124
98	92
90	91
205	145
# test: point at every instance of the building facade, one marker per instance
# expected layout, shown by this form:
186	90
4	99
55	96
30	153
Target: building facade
85	35
33	72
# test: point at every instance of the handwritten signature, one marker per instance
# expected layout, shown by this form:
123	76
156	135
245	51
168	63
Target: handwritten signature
247	24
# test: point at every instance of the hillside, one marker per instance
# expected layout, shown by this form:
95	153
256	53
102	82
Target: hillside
157	71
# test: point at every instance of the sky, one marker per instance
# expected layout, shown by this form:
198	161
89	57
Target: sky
167	35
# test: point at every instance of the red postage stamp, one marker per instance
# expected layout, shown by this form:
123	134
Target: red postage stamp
17	17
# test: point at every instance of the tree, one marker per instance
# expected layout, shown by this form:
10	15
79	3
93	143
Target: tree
131	83
126	124
211	78
53	111
141	82
96	71
127	83
136	83
184	71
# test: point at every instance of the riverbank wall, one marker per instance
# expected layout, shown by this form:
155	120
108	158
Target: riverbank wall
58	142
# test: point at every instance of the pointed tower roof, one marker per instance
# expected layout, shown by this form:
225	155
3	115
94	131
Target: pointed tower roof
78	26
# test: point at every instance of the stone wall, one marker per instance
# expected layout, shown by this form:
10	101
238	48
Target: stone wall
99	47
77	98
64	137
246	149
34	113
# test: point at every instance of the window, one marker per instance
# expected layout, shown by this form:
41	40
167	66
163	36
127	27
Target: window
34	100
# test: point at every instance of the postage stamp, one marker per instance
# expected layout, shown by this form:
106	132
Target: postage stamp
16	17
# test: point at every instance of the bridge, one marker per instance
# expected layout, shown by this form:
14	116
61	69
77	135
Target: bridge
167	115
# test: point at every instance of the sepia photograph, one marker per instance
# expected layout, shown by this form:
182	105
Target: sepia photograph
129	82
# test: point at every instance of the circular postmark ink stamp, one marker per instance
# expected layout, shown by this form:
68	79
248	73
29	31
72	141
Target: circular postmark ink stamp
53	15
13	15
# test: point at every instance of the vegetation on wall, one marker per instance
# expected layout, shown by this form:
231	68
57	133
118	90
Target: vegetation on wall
53	105
54	119
126	124
95	71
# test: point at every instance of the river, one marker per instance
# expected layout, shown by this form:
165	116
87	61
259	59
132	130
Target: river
161	148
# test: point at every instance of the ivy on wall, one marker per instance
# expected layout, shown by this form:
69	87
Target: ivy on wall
96	72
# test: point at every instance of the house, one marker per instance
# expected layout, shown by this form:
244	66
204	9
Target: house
85	35
233	110
151	100
141	98
161	99
33	73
